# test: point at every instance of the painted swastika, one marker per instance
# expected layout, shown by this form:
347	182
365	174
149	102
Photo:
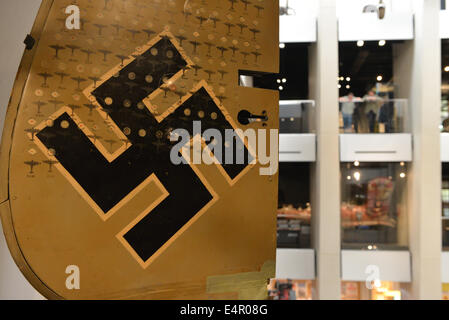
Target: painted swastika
107	182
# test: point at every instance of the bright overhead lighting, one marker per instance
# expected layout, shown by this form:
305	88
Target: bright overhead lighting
402	175
284	80
360	43
342	78
380	78
281	88
348	86
446	68
357	164
339	86
278	80
348	79
357	176
382	43
282	45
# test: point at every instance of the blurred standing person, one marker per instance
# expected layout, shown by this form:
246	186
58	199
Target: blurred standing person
359	118
372	106
347	109
446	125
387	115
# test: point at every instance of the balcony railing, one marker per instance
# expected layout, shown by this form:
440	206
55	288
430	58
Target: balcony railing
374	115
297	116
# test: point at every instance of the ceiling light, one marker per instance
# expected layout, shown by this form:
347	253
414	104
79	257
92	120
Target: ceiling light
282	45
278	80
382	43
348	87
360	43
357	176
357	163
446	68
284	80
339	86
281	88
348	79
402	175
380	78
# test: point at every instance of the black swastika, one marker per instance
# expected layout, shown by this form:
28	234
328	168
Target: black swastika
107	183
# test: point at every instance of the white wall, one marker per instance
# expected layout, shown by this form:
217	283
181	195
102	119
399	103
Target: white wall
16	20
302	7
355	7
355	25
444	24
300	25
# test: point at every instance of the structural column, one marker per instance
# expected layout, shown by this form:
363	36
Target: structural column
418	76
326	175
